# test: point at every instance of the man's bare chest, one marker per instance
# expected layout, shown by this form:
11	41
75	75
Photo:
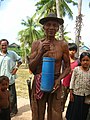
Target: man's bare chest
54	52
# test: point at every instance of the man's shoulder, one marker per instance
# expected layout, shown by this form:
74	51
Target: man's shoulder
62	43
39	40
11	52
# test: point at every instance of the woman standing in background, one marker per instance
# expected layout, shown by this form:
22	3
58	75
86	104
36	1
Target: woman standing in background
79	89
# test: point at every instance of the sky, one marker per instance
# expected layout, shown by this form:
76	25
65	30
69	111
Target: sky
13	11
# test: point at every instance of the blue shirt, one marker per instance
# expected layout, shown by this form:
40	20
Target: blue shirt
7	64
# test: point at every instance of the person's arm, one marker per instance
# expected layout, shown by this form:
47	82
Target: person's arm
67	68
72	83
9	100
16	68
0	101
35	57
66	61
18	61
37	51
71	95
18	64
73	77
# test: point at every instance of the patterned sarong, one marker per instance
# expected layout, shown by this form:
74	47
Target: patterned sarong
39	93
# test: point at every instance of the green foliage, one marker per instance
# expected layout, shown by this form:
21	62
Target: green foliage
33	30
31	33
46	6
17	50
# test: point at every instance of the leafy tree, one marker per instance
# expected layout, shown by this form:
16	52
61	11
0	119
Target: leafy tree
46	6
61	7
28	35
79	26
33	30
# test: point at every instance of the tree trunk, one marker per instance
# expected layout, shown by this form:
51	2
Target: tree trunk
58	15
25	54
57	8
78	26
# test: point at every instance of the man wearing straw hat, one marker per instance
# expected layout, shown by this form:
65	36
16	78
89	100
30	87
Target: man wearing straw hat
53	48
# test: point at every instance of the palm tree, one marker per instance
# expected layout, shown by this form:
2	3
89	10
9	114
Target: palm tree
28	35
44	7
78	26
58	15
60	7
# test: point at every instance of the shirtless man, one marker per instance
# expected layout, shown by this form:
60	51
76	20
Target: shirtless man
48	47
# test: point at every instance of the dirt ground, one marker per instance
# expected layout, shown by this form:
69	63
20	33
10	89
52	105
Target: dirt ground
24	111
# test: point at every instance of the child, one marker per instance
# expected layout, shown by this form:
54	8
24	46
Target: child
4	98
73	63
79	88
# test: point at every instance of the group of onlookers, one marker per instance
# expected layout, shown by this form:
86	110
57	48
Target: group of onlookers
74	78
77	83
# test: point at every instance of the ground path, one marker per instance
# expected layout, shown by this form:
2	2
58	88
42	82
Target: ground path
24	111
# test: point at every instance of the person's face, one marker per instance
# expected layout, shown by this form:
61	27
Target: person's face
4	85
85	62
4	46
72	53
51	27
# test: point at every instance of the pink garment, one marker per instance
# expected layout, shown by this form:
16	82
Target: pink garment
39	93
66	80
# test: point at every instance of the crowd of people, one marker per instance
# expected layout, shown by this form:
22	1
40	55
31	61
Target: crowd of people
71	76
78	85
73	63
79	89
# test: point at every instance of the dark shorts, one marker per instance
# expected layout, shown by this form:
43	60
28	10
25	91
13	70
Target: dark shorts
5	114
